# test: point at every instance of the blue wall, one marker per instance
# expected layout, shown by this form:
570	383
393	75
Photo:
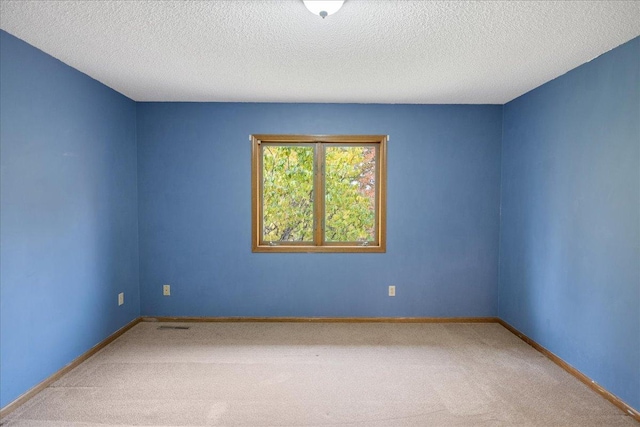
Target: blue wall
570	231
68	215
194	168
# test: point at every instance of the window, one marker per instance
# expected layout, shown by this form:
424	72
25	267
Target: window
318	193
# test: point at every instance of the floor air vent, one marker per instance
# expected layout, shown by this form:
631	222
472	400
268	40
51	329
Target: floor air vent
173	327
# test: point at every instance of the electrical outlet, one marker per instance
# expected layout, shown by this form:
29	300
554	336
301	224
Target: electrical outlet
166	290
392	290
121	298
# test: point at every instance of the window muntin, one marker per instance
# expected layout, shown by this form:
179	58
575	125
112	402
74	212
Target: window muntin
318	193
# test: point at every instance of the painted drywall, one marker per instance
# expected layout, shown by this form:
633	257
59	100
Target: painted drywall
68	217
194	168
570	229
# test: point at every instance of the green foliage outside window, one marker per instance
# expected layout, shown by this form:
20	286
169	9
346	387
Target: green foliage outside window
350	194
288	193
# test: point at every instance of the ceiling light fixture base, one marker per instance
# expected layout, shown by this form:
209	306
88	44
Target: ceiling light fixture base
323	8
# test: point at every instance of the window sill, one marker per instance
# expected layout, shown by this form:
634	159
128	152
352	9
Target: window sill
319	249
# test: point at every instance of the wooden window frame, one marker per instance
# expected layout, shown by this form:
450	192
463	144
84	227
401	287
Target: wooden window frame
319	142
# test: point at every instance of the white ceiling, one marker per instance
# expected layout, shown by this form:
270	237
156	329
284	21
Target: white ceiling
430	52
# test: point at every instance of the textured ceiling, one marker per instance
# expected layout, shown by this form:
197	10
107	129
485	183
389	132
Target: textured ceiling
369	52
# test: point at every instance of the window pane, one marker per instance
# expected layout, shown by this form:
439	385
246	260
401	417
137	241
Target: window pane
287	201
350	198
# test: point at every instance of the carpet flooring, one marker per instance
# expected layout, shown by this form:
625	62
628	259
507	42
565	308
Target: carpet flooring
318	374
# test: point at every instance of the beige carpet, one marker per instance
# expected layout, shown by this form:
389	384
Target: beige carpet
318	374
